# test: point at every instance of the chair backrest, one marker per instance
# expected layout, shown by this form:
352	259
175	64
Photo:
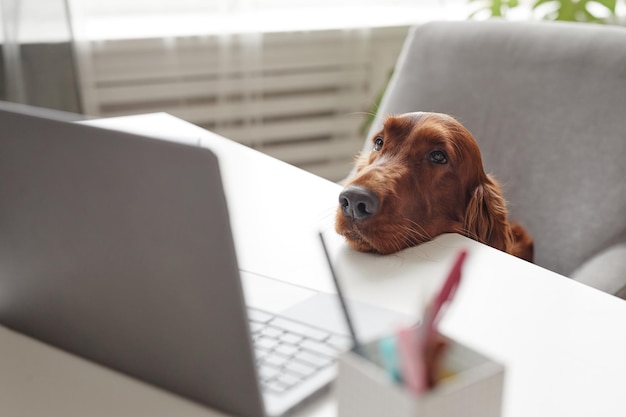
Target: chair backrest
547	104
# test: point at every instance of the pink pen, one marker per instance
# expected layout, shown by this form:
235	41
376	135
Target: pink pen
432	314
413	369
427	334
418	348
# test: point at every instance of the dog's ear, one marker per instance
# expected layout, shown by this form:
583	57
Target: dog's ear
486	216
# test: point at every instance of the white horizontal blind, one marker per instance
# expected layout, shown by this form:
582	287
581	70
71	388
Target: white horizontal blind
120	7
295	95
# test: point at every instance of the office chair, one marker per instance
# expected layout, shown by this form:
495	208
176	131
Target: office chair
546	102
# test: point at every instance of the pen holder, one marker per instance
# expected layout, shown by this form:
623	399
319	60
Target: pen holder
473	389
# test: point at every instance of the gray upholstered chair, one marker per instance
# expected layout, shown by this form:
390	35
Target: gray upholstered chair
547	104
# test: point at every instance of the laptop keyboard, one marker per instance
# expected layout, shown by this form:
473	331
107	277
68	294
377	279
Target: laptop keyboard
289	352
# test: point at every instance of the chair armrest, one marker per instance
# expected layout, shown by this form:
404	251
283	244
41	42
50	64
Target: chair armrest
605	271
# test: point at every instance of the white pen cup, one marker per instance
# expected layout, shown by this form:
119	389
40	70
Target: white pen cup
472	387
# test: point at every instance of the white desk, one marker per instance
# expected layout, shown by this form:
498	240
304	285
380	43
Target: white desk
563	343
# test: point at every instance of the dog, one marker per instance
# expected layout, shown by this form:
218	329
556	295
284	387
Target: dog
423	177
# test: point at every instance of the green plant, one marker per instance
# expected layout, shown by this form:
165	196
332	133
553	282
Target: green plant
578	11
569	10
495	8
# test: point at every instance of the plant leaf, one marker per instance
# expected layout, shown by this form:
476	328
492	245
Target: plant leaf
609	4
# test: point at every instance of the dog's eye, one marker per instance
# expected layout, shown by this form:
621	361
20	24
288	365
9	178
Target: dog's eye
438	157
378	143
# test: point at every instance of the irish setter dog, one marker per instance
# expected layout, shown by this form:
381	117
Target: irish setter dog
423	177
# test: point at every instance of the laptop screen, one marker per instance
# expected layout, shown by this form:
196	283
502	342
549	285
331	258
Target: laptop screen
118	248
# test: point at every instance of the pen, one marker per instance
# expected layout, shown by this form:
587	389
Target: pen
431	344
413	367
432	314
388	353
420	349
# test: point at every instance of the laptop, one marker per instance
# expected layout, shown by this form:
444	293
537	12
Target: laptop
118	248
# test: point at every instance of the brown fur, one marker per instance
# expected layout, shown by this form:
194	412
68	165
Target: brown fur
420	199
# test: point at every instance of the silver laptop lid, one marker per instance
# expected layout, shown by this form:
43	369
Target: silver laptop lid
118	248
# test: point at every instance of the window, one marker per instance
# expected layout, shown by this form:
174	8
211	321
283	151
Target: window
149	18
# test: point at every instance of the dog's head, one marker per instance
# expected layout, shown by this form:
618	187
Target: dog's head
423	177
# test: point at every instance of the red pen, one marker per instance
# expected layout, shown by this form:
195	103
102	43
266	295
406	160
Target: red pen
420	351
432	345
432	314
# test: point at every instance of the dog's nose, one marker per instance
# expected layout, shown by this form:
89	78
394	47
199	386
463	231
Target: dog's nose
358	203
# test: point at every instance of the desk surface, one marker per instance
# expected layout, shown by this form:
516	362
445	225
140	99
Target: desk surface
562	342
